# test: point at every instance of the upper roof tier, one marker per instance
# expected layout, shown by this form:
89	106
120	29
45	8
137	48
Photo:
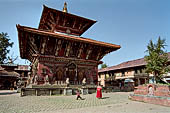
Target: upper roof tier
60	21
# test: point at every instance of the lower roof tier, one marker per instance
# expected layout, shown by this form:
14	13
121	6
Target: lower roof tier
33	41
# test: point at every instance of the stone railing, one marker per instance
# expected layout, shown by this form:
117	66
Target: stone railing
60	82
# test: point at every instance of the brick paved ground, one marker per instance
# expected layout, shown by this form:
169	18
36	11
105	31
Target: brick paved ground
111	103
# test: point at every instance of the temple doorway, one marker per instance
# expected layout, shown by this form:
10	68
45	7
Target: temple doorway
59	74
80	76
72	73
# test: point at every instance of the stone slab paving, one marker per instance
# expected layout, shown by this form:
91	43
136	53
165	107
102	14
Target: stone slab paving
117	102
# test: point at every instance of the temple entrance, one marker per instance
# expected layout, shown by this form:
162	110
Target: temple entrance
59	74
80	76
72	73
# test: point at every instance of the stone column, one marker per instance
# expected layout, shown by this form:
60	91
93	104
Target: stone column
36	92
50	92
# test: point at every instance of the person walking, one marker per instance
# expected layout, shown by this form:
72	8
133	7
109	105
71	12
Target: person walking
78	95
99	92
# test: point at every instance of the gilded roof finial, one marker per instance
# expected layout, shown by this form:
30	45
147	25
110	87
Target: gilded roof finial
65	7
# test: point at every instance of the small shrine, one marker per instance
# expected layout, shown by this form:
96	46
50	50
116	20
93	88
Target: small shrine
60	58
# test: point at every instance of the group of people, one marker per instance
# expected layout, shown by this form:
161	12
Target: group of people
98	94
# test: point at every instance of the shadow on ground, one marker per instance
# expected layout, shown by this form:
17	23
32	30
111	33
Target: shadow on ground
105	97
7	93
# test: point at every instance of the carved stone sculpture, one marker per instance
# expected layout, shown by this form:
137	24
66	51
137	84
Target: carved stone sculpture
67	81
46	79
84	81
150	93
36	79
29	78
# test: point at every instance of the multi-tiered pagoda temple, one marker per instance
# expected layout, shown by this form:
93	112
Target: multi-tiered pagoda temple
57	51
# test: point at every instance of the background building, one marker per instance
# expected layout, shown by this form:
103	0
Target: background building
130	72
10	74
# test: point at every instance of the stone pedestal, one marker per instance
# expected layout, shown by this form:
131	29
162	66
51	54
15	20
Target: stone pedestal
68	91
56	89
18	90
84	91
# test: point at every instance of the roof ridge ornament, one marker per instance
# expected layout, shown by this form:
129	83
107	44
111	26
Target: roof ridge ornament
65	7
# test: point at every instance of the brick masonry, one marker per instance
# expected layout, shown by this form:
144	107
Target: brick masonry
152	93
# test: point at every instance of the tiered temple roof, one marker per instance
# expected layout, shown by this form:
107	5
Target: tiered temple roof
59	21
58	36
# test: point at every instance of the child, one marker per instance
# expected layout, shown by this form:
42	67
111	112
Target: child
78	95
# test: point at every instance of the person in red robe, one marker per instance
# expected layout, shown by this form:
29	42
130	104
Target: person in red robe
99	92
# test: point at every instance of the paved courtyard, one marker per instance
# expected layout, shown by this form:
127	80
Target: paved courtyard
117	102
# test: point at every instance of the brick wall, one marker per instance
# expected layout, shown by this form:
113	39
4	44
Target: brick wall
152	93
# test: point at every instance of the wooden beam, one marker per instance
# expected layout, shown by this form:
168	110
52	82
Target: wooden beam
43	45
58	18
68	49
80	50
59	45
89	50
74	23
98	55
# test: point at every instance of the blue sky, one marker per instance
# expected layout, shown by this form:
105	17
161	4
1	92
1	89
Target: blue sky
129	23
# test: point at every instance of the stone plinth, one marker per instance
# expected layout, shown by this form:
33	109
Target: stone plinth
152	93
84	91
68	91
56	89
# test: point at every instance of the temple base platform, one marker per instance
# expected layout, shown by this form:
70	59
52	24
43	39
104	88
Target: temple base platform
48	90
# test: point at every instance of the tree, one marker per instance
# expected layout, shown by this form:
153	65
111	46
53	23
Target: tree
4	47
10	59
157	59
104	65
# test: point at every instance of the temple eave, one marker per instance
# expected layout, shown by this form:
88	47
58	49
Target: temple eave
81	39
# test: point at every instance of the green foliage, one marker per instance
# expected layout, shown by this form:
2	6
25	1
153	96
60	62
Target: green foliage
164	84
104	65
4	46
157	59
